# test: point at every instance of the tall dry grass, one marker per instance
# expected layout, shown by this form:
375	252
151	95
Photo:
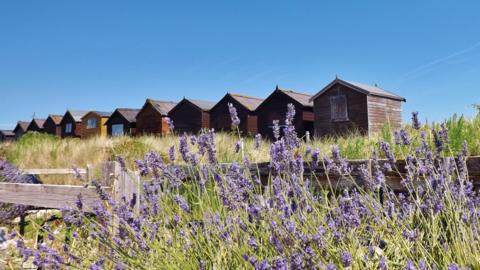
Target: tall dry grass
36	150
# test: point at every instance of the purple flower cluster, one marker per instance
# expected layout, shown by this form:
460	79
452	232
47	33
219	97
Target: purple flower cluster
233	115
216	216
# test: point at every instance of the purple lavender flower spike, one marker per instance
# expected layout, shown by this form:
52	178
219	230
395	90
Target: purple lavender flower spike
410	265
258	141
182	203
170	124
276	129
415	122
346	258
233	115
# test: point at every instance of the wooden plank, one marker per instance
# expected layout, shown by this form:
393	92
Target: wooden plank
53	171
48	196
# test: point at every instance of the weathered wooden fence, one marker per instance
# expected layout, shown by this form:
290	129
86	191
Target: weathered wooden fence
114	181
124	183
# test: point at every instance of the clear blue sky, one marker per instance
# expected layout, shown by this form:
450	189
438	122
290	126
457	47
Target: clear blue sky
56	55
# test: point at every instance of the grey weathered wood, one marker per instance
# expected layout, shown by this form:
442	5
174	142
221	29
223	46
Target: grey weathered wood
48	196
53	171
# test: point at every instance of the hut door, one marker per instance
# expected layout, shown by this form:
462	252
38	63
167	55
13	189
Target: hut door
338	105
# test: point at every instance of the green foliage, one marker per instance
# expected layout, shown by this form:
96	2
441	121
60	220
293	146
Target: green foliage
27	142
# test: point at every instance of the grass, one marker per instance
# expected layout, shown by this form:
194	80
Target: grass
35	150
230	208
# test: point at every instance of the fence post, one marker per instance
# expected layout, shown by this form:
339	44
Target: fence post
127	185
88	173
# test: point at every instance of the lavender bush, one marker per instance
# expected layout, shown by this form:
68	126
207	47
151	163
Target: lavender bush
214	217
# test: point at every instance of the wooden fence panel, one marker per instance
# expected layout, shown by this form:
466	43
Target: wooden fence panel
47	196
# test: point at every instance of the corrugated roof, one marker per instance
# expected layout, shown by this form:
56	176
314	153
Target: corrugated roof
163	107
129	114
7	133
77	115
301	98
363	88
202	104
250	103
56	118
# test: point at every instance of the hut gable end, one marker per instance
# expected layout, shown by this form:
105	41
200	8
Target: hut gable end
191	116
122	122
343	107
52	125
151	118
220	119
274	107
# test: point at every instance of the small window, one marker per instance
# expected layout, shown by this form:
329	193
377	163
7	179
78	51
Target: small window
92	123
68	128
117	130
338	106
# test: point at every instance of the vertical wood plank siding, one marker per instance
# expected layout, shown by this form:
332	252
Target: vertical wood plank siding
188	118
356	112
149	121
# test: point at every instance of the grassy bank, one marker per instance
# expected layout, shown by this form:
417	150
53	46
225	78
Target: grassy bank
44	151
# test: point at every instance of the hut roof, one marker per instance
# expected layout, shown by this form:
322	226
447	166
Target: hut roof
7	133
251	103
102	114
163	107
301	98
129	114
77	115
22	124
202	104
39	122
56	118
363	88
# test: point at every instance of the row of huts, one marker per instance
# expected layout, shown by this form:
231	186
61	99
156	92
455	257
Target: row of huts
340	107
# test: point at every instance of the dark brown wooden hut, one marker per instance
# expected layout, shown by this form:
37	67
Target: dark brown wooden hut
191	115
36	125
20	129
220	115
343	106
52	125
275	108
7	135
71	124
122	122
151	119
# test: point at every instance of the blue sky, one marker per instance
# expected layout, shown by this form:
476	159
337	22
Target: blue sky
58	55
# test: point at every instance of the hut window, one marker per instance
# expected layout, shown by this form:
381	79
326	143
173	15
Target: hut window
91	123
338	106
117	130
68	128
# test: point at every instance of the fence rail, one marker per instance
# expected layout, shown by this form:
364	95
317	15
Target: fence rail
123	183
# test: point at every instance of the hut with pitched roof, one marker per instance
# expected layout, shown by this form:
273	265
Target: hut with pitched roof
343	106
122	122
20	129
152	117
7	135
36	125
220	119
94	124
274	107
191	115
52	125
71	124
